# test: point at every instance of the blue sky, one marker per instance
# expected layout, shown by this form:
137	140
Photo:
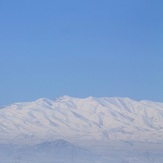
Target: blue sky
81	48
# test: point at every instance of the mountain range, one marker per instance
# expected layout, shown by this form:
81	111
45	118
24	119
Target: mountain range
68	129
82	120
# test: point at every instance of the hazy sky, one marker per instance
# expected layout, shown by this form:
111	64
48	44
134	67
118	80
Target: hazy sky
50	48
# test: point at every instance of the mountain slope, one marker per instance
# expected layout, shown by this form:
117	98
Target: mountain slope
89	119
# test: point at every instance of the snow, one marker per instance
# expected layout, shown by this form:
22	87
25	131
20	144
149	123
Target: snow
111	127
102	119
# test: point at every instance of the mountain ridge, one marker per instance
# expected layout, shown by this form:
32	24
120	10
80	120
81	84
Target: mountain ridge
96	119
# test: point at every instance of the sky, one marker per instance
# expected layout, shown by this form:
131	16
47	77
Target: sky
81	48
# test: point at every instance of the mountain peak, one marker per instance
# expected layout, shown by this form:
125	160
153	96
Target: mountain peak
43	99
65	97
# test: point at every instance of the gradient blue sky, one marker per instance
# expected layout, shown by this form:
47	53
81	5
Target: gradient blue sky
50	48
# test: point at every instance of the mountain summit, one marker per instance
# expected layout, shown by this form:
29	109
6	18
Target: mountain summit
90	119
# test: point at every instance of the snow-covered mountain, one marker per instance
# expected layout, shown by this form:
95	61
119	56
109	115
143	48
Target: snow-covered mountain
80	120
